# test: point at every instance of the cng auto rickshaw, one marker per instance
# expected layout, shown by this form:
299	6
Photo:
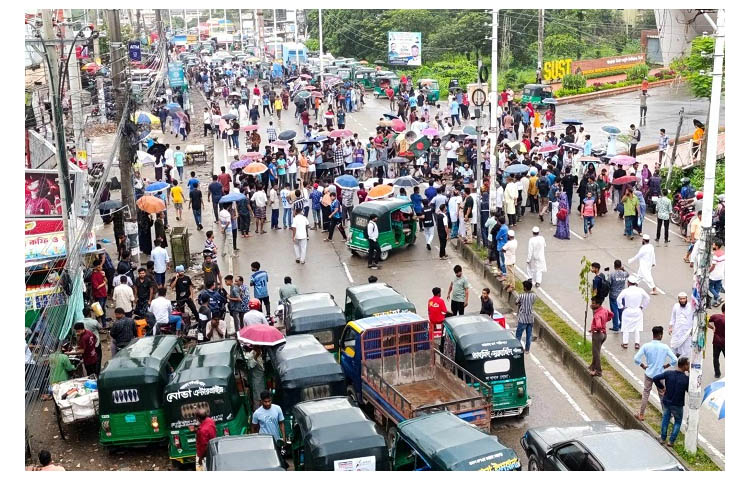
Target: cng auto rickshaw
395	229
304	370
494	355
383	80
330	434
212	376
131	391
443	442
365	76
431	89
535	93
373	299
316	314
243	453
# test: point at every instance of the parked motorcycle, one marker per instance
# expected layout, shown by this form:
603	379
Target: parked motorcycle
682	213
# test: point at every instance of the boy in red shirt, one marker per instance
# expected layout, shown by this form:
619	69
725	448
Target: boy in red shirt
99	290
436	312
87	348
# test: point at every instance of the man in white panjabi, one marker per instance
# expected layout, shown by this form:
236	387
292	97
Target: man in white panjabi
646	258
681	325
511	194
632	300
535	261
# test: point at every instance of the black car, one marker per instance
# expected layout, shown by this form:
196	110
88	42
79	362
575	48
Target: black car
243	453
595	446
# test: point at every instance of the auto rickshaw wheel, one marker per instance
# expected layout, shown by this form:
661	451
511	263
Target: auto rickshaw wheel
354	252
352	395
384	255
533	463
525	412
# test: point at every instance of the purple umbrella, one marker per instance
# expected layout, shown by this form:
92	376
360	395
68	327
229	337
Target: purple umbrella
241	163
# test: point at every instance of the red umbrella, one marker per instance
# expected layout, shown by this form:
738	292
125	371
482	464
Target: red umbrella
624	180
260	334
548	149
248	128
340	133
280	143
251	156
398	125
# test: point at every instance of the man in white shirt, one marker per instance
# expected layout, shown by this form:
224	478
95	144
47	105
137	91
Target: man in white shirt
160	307
509	250
160	257
123	296
260	199
373	250
273	200
225	226
253	317
451	148
453	206
206	121
300	224
536	263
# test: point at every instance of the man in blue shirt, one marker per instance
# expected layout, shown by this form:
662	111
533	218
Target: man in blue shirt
269	419
215	192
673	400
259	282
193	182
657	356
454	113
502	239
430	191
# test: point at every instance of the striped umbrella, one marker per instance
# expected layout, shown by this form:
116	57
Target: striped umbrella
713	398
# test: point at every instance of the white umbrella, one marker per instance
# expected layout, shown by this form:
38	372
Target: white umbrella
713	398
144	157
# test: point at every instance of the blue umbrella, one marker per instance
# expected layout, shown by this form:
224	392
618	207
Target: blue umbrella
355	166
550	101
156	186
143	119
346	182
320	138
232	197
407	182
713	398
572	121
173	106
609	129
240	163
469	130
517	168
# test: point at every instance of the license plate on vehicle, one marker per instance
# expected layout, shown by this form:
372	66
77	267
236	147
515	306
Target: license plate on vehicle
129	418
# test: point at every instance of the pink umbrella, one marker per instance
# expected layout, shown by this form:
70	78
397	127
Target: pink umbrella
305	76
623	160
222	125
548	149
398	125
310	87
430	132
340	133
280	143
252	156
317	95
248	128
260	334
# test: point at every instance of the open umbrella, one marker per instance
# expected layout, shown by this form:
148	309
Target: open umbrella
287	135
151	204
470	130
173	106
143	119
310	87
232	197
229	116
385	123
110	205
398	125
610	130
430	132
714	398
280	144
319	138
303	94
550	101
308	142
623	160
156	186
325	166
398	160
572	121
517	168
144	157
251	156
548	149
407	181
317	94
572	146
261	334
248	128
459	137
624	180
346	182
255	168
355	166
380	191
305	76
240	163
377	163
157	149
342	133
390	115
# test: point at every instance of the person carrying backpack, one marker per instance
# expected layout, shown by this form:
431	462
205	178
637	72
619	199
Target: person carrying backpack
635	137
601	285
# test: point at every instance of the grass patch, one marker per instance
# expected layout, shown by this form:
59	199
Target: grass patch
700	461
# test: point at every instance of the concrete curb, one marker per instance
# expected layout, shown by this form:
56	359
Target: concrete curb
607	93
653	147
597	387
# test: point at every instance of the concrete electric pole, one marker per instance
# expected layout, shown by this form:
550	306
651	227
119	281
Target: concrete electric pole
493	115
320	44
695	391
74	87
674	147
296	37
540	46
275	35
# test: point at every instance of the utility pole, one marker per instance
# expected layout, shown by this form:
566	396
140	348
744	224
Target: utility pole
138	24
53	80
505	41
260	25
225	21
493	115
169	12
242	29
74	87
121	90
159	28
320	44
296	44
275	35
540	46
704	251
674	148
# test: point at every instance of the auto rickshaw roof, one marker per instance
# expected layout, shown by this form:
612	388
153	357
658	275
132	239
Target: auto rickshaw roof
374	297
475	333
207	364
302	362
536	85
314	311
454	444
389	319
141	360
332	426
244	453
380	207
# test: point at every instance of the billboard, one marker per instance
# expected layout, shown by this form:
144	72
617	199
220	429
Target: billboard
45	239
42	194
556	69
175	74
134	51
405	48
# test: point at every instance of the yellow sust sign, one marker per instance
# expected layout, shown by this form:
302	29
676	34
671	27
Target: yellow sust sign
556	68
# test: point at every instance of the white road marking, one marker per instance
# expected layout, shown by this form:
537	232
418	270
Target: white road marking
348	275
560	388
576	235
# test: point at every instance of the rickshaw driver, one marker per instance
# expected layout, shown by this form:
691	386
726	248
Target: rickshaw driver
269	419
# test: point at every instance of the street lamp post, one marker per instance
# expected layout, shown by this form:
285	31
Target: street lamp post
320	45
493	115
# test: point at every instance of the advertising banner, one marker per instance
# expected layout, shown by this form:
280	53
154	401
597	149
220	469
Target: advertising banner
405	48
176	74
359	464
134	51
45	239
179	39
556	69
42	194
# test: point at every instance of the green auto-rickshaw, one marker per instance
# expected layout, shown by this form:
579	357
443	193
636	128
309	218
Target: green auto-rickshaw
331	434
494	355
131	391
395	229
365	76
304	370
383	80
373	299
212	376
240	453
535	93
443	442
316	314
431	89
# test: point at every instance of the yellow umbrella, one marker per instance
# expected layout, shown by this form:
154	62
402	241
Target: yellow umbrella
151	204
155	122
380	191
